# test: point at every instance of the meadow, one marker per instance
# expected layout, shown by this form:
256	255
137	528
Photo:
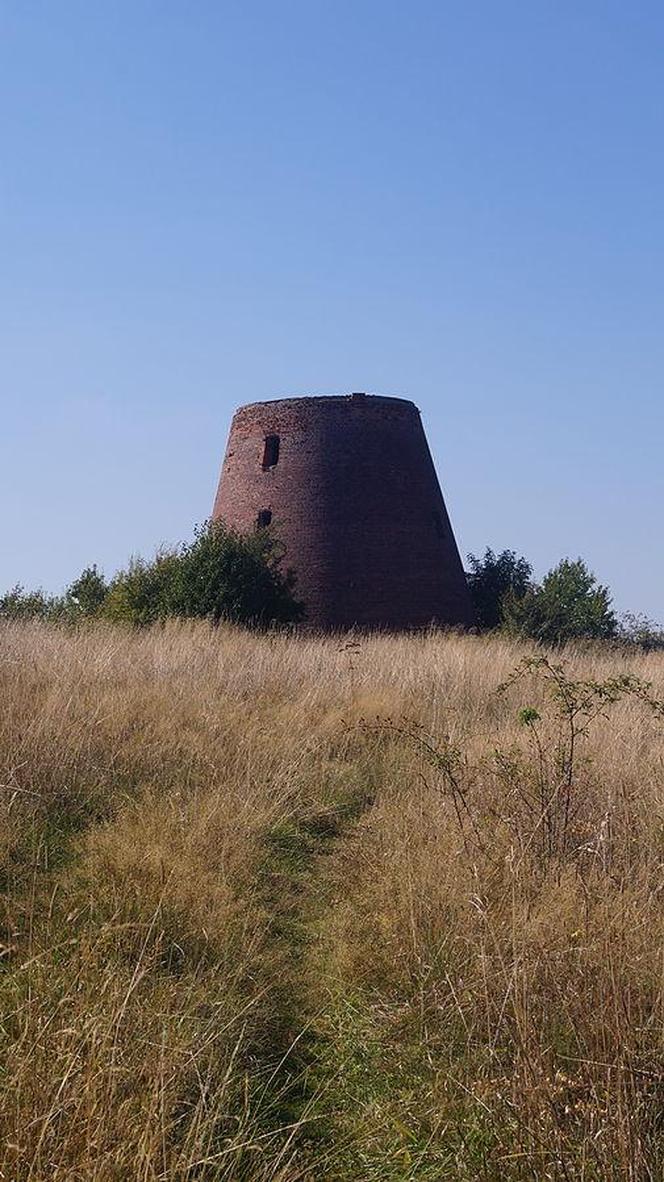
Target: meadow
279	908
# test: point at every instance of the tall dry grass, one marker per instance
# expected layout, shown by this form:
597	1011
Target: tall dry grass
253	929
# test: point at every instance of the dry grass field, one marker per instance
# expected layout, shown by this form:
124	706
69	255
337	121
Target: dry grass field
307	909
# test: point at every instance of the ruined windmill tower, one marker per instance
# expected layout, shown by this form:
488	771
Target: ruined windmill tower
349	485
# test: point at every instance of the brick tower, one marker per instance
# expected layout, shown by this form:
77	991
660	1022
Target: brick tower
349	486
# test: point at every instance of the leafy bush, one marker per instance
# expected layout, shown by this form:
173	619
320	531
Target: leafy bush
87	593
568	605
224	575
220	575
141	594
19	604
84	597
492	579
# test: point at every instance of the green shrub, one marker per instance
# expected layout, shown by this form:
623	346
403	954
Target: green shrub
141	594
492	579
225	575
19	604
87	593
220	575
569	604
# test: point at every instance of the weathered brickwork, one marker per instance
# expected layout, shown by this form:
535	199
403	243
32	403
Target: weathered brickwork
354	497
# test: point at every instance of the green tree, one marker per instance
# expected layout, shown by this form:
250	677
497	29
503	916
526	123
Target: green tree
142	594
19	604
492	579
568	605
225	575
87	593
220	575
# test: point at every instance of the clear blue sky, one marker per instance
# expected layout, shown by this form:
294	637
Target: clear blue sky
207	203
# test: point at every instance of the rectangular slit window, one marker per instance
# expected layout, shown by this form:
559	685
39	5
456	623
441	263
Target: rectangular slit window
439	524
264	518
271	452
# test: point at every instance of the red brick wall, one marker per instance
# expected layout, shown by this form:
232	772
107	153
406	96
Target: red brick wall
356	501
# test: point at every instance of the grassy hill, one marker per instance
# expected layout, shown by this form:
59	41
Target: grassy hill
303	909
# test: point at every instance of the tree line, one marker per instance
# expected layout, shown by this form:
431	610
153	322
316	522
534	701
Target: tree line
225	575
568	604
220	575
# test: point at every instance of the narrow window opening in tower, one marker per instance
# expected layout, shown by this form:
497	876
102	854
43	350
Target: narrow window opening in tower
271	452
439	524
264	518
